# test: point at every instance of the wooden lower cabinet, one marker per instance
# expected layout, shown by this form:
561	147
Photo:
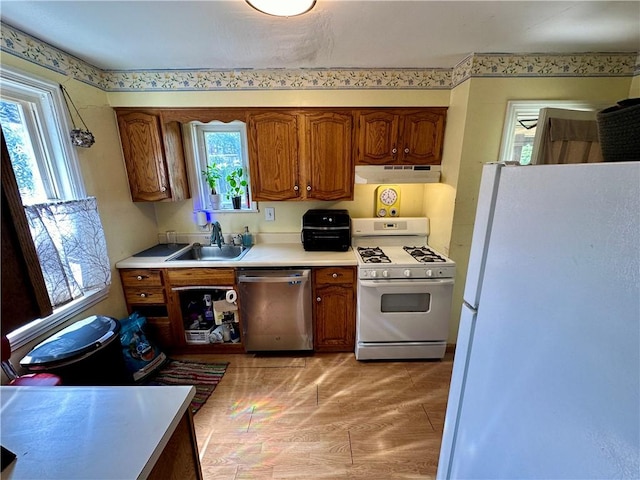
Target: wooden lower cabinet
144	293
334	312
163	297
179	459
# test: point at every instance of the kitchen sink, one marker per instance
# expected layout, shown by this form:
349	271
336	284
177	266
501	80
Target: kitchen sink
212	253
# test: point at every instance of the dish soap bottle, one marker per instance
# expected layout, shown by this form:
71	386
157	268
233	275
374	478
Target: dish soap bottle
247	238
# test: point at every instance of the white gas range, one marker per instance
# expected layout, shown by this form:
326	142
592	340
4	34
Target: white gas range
405	290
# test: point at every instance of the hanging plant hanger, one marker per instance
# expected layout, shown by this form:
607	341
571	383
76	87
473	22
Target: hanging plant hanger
79	138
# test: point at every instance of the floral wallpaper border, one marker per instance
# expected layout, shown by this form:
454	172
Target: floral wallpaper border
547	65
20	44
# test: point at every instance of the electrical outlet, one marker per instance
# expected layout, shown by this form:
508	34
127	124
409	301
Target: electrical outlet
269	214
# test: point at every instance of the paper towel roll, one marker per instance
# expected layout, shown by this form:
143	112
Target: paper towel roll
232	296
201	218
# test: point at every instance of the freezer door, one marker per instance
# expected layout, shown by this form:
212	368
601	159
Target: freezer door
481	231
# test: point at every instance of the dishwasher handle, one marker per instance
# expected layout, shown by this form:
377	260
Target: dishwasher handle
293	279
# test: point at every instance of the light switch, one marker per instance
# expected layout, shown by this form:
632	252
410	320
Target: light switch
269	214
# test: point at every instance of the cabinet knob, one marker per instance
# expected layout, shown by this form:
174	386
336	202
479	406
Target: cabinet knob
394	150
143	295
163	188
296	188
406	150
318	299
335	275
308	188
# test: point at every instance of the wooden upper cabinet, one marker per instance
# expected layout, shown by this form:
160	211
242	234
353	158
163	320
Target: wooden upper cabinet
422	136
377	137
400	136
327	156
153	156
297	155
273	155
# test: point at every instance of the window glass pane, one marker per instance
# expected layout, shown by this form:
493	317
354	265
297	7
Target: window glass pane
220	148
224	150
21	152
523	142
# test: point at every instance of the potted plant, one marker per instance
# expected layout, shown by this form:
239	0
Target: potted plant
237	185
212	174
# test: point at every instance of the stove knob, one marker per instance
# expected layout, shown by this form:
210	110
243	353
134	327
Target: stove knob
374	273
385	273
407	273
429	273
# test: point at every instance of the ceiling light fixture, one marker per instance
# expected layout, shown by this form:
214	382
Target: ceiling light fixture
280	8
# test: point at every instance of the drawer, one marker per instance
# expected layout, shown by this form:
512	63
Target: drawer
141	294
138	276
201	276
333	275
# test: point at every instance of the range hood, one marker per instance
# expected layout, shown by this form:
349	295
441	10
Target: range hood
397	173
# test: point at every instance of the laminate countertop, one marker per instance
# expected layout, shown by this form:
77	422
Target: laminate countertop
260	255
88	432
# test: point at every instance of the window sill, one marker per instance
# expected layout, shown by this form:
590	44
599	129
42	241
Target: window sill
41	326
252	209
232	210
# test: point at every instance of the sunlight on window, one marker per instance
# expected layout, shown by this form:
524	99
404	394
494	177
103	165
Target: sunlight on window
218	165
21	152
225	152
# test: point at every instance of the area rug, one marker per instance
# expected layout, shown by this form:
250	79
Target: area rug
204	376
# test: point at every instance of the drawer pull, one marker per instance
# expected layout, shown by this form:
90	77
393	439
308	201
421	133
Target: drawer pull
335	275
140	277
143	295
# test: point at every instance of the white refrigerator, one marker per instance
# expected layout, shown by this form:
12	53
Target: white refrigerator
546	375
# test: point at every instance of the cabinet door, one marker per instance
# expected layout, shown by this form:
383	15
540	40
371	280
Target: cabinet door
273	156
377	137
334	309
334	313
326	156
141	138
422	137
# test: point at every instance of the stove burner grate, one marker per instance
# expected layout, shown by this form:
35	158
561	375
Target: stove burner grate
373	255
423	254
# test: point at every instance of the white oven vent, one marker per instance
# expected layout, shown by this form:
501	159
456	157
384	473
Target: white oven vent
397	173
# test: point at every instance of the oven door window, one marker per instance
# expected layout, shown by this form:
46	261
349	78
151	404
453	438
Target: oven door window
405	302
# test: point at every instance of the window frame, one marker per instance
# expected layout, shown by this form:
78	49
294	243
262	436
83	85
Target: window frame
196	156
531	108
54	125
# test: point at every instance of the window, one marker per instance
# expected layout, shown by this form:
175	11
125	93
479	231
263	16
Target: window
520	127
221	148
36	131
63	223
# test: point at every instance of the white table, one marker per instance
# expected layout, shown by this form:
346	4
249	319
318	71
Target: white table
99	432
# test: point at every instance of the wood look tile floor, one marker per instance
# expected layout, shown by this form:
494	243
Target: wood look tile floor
323	416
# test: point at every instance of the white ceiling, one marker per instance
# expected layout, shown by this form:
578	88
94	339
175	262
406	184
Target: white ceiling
225	34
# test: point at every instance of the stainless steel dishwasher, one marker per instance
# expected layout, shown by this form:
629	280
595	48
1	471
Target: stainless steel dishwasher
276	309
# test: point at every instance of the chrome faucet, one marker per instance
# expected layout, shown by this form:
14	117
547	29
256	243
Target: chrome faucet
216	235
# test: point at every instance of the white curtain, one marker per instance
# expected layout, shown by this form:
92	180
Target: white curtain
71	247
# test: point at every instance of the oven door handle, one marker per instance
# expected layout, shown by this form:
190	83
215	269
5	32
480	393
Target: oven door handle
406	283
